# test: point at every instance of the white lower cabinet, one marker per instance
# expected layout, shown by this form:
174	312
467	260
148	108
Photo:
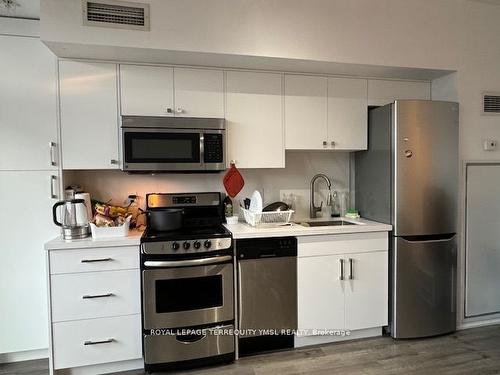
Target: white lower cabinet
342	282
366	303
94	306
92	341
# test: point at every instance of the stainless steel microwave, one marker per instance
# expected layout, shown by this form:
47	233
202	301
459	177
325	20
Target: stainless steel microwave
173	144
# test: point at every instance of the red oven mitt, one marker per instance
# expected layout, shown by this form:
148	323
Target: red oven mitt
233	181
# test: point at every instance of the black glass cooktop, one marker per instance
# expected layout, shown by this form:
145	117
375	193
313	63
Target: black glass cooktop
186	234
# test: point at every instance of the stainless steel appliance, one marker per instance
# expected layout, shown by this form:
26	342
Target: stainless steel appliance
173	144
74	218
187	284
409	178
267	293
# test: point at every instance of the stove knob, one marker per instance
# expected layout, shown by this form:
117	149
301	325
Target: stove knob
197	245
207	244
175	246
186	245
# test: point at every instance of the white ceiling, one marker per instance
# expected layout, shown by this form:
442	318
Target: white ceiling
20	9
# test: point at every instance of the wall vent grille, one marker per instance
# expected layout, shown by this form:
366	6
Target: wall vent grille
117	14
491	103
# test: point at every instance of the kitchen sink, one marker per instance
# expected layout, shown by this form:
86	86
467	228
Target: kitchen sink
326	223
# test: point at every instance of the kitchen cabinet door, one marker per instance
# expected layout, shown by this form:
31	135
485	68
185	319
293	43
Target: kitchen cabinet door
254	119
146	90
306	112
366	291
199	93
89	115
347	113
26	200
28	105
320	294
382	92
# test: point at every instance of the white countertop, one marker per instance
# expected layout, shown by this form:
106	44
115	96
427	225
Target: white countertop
58	243
243	230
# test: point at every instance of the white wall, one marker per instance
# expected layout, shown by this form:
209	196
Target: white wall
295	178
352	31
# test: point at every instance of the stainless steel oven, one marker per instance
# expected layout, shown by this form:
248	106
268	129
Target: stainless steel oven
192	292
173	144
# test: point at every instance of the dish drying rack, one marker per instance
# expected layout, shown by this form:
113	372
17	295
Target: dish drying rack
267	218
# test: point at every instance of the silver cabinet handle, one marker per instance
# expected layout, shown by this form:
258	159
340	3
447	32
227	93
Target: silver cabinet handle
52	148
53	195
90	296
89	342
341	269
114	161
325	143
96	260
187	263
351	274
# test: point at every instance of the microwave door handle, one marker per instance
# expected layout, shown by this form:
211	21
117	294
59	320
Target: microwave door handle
202	148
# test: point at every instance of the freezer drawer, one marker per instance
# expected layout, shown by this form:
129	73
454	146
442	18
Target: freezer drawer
424	283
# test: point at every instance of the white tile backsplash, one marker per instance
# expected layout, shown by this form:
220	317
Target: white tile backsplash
115	186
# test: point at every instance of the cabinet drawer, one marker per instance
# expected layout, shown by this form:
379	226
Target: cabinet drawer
342	243
90	260
93	341
95	294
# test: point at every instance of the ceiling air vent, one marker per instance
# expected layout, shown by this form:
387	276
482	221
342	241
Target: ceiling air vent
491	103
117	14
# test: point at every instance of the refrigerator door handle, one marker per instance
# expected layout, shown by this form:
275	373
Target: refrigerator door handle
429	238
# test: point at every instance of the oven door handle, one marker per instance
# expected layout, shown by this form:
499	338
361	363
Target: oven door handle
188	263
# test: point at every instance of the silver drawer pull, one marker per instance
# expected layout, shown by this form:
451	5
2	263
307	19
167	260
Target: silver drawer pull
96	260
89	296
89	342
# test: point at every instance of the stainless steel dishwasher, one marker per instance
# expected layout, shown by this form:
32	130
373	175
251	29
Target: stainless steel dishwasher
267	293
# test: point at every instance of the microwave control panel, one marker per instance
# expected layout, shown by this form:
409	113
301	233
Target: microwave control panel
213	148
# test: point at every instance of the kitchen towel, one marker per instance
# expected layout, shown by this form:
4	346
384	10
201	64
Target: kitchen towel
233	181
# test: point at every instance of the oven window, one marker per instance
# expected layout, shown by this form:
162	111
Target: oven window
162	147
188	293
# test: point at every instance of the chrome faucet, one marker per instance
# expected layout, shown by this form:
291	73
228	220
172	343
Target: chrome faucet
312	208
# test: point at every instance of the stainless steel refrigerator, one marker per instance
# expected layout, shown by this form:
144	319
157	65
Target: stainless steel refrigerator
408	177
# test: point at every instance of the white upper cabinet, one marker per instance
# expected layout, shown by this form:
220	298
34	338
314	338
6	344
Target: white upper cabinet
89	115
306	112
147	90
382	92
28	105
347	113
325	113
199	92
254	119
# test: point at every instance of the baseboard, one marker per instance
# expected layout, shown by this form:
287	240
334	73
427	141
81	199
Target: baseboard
478	323
301	341
27	355
104	368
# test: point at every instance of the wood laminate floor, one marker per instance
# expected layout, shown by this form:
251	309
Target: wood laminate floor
473	351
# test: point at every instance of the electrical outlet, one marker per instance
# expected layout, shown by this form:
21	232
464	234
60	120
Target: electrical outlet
490	145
